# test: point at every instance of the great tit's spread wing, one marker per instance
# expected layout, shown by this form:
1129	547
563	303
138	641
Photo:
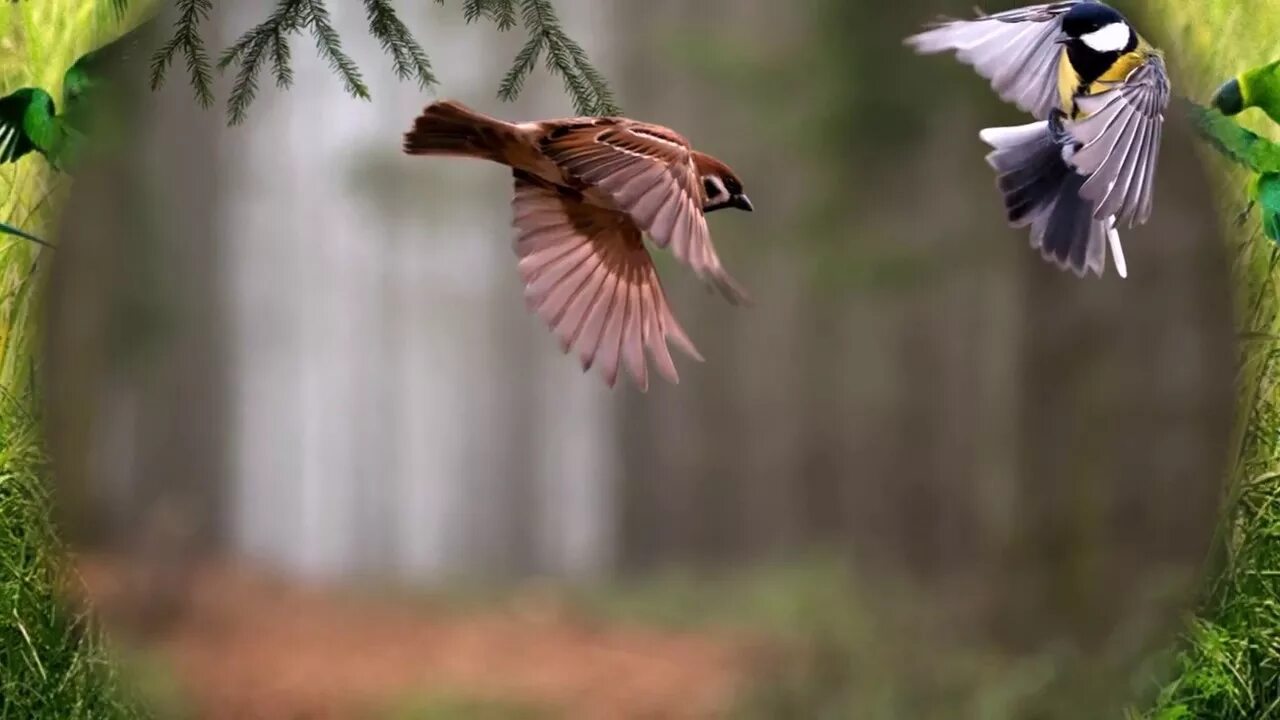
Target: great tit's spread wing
1016	50
1120	140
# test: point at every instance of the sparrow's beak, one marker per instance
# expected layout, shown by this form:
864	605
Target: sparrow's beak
1229	99
742	202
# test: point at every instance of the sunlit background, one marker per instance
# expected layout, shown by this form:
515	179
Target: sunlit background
319	461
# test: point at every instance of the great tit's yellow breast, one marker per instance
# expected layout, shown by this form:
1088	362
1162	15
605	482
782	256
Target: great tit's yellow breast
1068	83
1119	70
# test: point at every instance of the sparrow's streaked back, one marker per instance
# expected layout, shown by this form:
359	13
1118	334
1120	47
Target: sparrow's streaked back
586	191
1098	91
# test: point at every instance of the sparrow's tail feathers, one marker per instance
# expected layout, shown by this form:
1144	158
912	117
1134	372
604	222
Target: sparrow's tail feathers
451	128
1041	190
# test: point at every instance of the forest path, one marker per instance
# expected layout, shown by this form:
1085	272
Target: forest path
248	645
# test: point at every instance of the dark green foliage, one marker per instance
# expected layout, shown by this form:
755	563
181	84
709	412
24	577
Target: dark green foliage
186	38
564	57
267	40
1228	670
1251	151
1229	665
268	43
11	230
408	59
1234	141
52	664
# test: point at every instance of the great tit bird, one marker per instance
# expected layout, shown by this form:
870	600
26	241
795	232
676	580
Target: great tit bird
1098	91
1259	87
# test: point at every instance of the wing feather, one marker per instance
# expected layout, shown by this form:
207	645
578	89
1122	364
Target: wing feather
1016	51
589	277
649	173
1127	120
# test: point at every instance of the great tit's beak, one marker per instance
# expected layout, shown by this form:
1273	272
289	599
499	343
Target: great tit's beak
1064	40
1229	99
742	202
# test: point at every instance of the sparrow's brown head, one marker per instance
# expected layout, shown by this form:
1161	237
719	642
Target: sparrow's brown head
720	187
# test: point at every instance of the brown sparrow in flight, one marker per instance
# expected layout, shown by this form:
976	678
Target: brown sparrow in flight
586	189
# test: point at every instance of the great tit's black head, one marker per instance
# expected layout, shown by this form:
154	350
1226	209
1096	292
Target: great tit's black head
1099	28
721	188
1229	99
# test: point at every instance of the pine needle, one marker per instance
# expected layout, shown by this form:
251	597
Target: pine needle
408	59
267	43
186	38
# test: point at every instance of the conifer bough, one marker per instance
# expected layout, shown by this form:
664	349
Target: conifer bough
265	46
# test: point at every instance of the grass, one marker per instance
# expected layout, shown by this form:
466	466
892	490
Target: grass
1229	666
52	663
52	660
831	644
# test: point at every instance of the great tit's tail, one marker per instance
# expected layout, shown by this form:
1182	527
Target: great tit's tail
451	128
1041	190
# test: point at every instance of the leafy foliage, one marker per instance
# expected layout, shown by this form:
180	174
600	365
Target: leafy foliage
267	44
45	39
1229	665
52	663
187	40
52	660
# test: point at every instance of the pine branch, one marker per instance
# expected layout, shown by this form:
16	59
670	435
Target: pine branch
564	57
269	40
186	38
267	43
408	59
525	61
330	48
501	12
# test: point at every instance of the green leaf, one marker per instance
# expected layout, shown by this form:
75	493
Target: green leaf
268	43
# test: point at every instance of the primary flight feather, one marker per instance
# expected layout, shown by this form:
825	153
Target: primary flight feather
1098	92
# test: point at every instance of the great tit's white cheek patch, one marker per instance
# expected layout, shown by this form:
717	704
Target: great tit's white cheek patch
1112	38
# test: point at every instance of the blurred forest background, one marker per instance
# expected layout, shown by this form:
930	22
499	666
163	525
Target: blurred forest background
300	414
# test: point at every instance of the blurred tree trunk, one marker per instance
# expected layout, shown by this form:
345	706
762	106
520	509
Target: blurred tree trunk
139	401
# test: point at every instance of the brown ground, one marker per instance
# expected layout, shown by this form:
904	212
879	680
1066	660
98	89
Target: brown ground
250	646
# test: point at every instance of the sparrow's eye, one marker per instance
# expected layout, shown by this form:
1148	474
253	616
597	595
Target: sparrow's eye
712	186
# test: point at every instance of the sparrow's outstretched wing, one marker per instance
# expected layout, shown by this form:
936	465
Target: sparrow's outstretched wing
588	275
1120	141
649	173
1016	50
